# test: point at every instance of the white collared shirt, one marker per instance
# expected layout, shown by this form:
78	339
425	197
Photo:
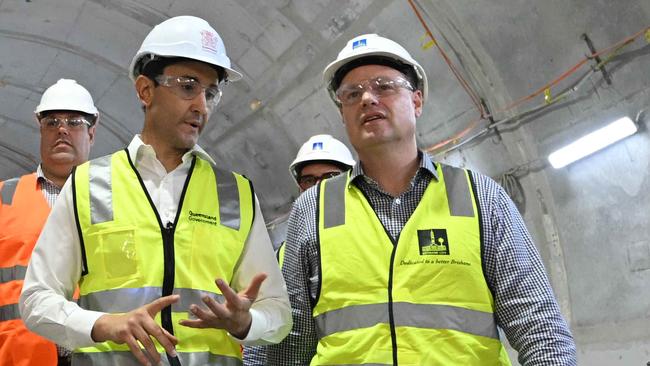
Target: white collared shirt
55	266
48	188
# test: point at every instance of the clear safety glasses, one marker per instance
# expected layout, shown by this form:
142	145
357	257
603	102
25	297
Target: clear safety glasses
349	94
51	123
188	88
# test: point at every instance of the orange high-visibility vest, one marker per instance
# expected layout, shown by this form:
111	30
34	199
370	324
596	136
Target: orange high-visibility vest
23	211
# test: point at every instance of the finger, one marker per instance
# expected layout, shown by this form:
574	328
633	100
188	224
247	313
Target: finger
205	319
228	293
155	306
193	323
156	331
206	314
137	352
253	288
170	336
218	310
144	339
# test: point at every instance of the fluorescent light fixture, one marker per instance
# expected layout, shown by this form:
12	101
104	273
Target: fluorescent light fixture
593	142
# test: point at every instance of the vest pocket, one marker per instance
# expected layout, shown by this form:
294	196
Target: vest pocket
213	255
119	252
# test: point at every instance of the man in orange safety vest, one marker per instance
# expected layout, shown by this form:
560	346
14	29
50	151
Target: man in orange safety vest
67	118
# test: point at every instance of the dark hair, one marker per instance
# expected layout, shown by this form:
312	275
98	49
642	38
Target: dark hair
406	69
303	164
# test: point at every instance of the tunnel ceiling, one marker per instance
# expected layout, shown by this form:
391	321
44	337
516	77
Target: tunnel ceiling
503	50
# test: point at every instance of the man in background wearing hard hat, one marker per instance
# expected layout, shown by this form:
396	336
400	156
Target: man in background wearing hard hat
68	119
158	238
320	157
406	261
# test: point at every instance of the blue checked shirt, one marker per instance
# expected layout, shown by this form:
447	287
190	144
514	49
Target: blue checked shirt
525	307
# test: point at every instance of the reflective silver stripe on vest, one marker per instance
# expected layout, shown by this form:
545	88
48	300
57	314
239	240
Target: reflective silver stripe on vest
351	317
408	315
9	312
8	190
228	194
12	273
334	202
101	190
458	193
125	358
123	300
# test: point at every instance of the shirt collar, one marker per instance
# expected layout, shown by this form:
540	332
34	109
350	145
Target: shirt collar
426	164
41	178
137	146
39	173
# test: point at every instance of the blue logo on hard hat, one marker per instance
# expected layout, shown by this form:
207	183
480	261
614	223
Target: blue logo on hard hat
359	43
317	146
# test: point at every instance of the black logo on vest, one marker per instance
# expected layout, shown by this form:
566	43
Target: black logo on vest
433	242
199	217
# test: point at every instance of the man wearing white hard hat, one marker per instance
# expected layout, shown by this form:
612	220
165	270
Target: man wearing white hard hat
170	252
67	118
320	157
405	261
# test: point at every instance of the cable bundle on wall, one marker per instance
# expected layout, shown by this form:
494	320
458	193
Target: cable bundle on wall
473	129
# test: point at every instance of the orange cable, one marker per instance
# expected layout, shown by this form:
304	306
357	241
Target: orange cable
548	85
572	70
456	137
563	76
473	96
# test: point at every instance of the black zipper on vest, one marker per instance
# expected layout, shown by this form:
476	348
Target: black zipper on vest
168	274
391	315
168	283
167	233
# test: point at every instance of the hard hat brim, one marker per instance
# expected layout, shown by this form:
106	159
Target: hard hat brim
333	67
232	74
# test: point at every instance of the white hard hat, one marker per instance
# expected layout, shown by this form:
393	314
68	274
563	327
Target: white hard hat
368	45
183	36
66	95
322	147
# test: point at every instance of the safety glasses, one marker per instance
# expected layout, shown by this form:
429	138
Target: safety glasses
307	181
51	123
350	94
188	88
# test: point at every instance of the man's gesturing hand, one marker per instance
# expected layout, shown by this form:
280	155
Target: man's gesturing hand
233	315
138	326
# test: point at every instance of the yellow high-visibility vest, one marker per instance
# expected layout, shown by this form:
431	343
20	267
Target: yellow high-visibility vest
419	300
130	259
279	254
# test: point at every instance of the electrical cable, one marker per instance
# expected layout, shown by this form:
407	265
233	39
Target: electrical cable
513	188
616	48
573	69
476	100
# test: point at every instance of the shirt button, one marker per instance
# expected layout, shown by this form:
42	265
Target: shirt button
398	201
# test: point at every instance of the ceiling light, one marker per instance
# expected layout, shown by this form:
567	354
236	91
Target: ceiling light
592	142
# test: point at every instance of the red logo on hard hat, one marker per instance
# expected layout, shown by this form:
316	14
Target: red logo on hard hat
209	41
